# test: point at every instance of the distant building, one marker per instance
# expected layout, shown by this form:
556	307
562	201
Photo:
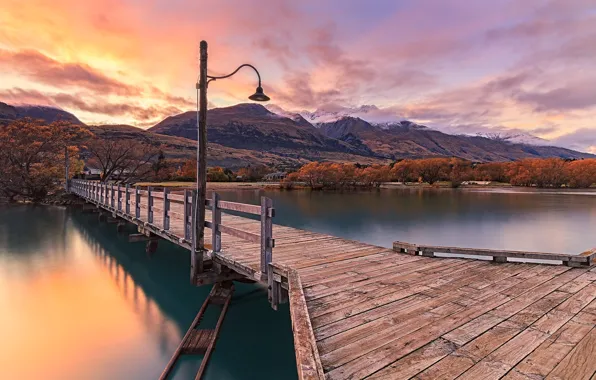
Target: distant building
481	183
278	176
91	173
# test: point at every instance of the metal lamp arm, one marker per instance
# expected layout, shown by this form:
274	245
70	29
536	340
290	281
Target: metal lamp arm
211	77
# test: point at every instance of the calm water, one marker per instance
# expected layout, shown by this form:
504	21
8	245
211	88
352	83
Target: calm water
79	302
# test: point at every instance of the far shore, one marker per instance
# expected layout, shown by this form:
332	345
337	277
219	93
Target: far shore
229	186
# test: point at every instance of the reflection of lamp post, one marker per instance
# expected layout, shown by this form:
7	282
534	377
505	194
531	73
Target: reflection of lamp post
201	86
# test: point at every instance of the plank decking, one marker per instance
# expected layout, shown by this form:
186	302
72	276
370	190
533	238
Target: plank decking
363	311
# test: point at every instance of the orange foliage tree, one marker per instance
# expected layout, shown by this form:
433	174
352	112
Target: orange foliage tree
549	172
32	155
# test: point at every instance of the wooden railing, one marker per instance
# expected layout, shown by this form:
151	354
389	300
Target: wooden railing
176	207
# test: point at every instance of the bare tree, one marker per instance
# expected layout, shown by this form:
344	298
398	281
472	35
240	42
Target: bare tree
123	159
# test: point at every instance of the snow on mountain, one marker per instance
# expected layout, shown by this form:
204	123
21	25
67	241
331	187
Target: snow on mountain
369	113
515	138
387	119
282	112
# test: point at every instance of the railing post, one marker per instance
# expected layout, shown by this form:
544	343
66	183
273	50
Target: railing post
127	199
119	198
149	205
112	197
137	202
101	193
166	209
267	213
186	215
215	222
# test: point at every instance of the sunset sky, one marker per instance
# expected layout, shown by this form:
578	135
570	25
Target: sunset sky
456	65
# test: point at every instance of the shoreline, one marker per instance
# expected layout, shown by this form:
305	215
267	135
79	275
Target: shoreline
277	186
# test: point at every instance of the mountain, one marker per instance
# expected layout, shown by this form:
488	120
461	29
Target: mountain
48	114
181	148
250	134
253	127
515	138
410	140
330	113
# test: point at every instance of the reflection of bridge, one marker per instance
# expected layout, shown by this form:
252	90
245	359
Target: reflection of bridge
143	305
360	310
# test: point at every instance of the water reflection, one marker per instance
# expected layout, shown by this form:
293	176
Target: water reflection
80	302
517	220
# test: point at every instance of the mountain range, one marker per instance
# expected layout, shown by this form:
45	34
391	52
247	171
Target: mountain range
252	134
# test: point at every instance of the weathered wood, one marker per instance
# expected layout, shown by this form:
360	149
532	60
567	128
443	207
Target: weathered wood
134	238
215	223
137	202
127	199
239	233
196	258
166	209
119	196
187	213
216	333
308	361
149	205
240	207
266	237
584	258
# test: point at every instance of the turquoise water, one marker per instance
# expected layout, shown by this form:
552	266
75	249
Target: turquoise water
77	301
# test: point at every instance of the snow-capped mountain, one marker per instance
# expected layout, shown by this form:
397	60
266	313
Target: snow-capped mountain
515	138
388	119
369	113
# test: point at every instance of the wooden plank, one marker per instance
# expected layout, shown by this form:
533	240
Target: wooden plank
240	234
580	363
465	357
308	362
211	345
240	207
366	362
416	361
550	353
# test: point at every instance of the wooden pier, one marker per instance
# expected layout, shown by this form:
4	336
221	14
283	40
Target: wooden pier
363	311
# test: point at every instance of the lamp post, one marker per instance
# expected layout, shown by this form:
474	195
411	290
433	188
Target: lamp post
201	86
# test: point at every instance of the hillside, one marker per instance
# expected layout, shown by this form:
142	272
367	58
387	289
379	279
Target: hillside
410	140
48	114
182	148
250	134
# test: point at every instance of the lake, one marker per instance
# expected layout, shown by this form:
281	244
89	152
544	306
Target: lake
78	301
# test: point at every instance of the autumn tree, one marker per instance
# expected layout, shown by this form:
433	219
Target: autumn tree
459	171
32	157
405	171
582	173
432	170
253	173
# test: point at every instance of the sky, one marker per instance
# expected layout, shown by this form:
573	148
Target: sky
457	65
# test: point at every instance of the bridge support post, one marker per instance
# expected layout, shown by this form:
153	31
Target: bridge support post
267	242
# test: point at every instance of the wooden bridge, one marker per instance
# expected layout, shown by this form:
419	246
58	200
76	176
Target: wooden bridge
363	311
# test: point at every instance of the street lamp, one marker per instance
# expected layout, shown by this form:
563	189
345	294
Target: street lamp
201	86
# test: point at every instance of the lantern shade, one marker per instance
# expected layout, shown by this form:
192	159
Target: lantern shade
259	95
